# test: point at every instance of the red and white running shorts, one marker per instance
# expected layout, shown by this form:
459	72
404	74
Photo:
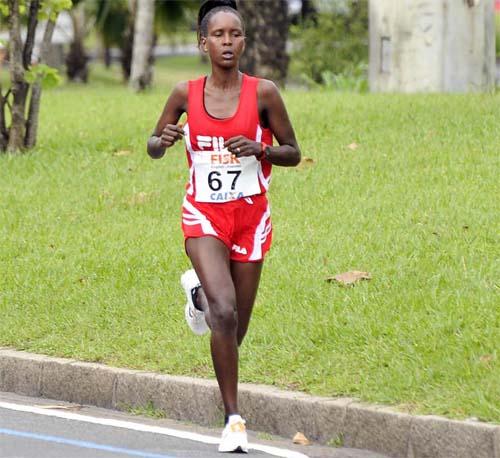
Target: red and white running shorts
244	225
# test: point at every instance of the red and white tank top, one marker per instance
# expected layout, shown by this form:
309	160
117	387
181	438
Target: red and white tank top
215	175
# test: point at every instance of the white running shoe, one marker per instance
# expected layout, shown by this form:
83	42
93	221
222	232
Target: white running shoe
195	318
234	437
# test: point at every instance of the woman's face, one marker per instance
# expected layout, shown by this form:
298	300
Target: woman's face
225	41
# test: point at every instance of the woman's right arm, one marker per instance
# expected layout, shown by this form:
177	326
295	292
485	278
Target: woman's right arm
167	132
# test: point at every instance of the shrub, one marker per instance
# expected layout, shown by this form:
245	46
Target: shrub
331	45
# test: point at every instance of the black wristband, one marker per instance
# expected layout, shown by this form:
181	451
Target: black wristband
267	152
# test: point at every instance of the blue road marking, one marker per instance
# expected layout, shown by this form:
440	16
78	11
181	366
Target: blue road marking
82	444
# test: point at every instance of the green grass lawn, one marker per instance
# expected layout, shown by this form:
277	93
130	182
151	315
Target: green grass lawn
92	250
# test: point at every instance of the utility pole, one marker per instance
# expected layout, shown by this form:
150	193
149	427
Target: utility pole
432	45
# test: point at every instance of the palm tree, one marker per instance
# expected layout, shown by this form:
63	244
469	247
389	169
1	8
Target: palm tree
141	69
77	59
267	33
111	20
147	19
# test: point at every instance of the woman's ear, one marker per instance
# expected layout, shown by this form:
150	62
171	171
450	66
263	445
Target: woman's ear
203	44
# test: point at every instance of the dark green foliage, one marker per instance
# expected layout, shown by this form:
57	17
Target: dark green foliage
334	43
174	15
112	20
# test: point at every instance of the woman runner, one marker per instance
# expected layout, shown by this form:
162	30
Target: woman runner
232	119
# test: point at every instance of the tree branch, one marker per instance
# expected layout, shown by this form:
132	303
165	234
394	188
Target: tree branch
36	90
46	40
4	134
30	36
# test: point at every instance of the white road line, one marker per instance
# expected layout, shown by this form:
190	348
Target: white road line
144	428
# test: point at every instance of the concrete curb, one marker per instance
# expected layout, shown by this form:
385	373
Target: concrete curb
343	420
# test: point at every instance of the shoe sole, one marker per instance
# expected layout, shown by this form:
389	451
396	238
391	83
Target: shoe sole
198	332
236	450
187	278
237	446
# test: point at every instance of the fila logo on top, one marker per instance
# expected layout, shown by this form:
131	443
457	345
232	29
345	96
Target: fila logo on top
211	143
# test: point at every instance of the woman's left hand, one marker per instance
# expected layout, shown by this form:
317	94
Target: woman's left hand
241	146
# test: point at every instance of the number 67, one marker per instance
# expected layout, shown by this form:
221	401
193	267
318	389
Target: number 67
215	183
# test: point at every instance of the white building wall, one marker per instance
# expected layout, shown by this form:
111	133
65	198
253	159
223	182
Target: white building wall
432	45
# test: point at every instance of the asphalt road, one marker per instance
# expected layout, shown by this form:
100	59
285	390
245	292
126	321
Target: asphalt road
33	428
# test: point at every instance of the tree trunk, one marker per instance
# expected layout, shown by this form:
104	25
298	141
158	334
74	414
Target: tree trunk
128	41
141	70
126	49
308	11
107	56
18	85
36	90
4	132
76	60
267	32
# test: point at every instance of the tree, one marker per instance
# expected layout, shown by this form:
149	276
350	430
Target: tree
308	11
161	16
103	15
77	59
266	36
142	70
26	79
112	21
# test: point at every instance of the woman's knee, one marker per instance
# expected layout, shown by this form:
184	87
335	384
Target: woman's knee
223	316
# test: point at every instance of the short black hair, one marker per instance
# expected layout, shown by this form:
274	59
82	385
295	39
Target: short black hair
209	8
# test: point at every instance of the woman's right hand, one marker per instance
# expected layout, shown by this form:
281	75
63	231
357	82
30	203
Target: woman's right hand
170	134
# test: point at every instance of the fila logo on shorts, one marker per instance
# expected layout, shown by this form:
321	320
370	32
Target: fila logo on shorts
239	249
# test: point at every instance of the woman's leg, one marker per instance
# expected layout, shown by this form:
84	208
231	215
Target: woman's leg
210	259
246	277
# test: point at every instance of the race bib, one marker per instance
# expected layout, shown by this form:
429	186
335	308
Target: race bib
222	177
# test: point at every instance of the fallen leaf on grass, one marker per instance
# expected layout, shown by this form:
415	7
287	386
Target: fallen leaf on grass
353	146
306	162
349	278
300	439
141	198
122	152
486	359
57	407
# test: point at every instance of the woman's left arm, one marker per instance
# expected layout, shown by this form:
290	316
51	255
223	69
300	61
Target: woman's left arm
273	108
274	116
